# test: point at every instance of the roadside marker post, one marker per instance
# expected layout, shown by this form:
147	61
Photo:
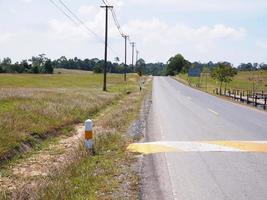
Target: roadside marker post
88	134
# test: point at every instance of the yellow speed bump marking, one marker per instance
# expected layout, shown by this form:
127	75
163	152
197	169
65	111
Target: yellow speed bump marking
198	146
248	146
147	148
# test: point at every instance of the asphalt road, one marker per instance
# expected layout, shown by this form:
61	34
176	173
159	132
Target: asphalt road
180	113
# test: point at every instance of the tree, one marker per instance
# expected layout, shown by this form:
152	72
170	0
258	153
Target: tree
98	68
247	66
5	65
6	61
263	66
175	65
48	67
223	72
117	59
140	66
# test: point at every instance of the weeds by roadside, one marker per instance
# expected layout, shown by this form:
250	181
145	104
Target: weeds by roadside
32	107
109	173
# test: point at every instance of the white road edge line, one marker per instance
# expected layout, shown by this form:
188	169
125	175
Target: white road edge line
214	112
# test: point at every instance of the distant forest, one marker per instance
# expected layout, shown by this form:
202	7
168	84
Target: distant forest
178	64
41	64
241	67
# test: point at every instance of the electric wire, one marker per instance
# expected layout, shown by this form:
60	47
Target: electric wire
78	22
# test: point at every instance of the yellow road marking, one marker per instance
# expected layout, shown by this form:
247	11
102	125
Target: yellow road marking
146	148
199	146
214	112
243	145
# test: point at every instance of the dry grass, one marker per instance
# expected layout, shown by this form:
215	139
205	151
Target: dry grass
109	173
242	81
106	175
34	105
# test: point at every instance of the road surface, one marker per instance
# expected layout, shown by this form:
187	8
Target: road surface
220	168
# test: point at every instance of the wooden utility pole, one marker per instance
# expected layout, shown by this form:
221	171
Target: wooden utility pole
125	58
106	47
137	54
133	44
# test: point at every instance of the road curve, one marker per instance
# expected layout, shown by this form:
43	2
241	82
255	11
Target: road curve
181	115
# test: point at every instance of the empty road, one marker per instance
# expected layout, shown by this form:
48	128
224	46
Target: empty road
200	147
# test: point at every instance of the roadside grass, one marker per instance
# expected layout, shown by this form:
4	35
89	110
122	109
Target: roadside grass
242	81
70	71
34	106
109	173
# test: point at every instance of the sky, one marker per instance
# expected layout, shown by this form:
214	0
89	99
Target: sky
201	30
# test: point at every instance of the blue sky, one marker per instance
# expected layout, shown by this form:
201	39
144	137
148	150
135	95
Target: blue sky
203	30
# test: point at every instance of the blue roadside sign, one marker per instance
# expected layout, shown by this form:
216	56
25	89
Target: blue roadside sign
194	72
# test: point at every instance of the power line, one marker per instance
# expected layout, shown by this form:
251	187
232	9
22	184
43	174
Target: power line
78	22
63	12
85	26
105	2
114	16
117	24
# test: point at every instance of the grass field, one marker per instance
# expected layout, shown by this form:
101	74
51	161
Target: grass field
34	105
109	173
242	81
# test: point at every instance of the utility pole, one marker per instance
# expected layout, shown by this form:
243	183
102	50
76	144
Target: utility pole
137	54
125	60
133	44
106	47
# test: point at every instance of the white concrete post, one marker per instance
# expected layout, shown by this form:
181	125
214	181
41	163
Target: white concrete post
88	134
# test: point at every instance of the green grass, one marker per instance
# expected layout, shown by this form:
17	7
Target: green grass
66	80
32	105
107	174
242	81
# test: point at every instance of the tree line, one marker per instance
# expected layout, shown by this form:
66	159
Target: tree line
42	64
178	64
35	65
223	72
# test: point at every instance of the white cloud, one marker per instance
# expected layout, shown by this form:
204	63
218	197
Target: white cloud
205	5
262	44
153	35
62	30
155	30
116	3
159	38
5	37
95	21
26	1
88	10
13	11
93	18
